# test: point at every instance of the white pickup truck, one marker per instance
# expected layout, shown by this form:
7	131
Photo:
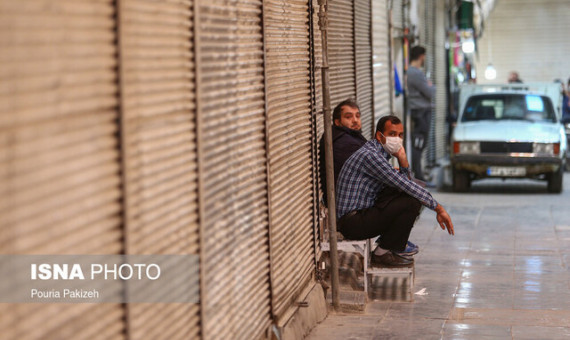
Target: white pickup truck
509	131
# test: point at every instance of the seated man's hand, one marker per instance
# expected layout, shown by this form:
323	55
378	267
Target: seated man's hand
400	153
444	220
402	158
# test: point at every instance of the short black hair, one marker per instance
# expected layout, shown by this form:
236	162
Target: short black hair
347	102
416	52
382	122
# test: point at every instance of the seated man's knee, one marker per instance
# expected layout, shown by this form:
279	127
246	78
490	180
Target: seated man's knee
413	204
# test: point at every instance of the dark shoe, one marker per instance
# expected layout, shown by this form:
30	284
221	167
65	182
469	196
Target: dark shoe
390	260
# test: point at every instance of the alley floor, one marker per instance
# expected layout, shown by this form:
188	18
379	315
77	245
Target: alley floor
504	275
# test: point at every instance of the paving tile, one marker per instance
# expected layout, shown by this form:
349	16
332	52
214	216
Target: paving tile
468	331
378	308
540	333
416	328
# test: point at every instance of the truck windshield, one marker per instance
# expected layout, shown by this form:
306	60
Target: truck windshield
533	108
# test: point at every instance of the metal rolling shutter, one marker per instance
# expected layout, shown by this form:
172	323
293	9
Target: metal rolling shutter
233	174
318	124
381	66
60	186
341	51
317	64
160	150
427	39
440	78
363	58
317	59
290	142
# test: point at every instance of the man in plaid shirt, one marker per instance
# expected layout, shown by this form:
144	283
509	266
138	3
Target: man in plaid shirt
373	198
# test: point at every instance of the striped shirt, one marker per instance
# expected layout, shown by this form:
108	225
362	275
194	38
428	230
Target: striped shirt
366	173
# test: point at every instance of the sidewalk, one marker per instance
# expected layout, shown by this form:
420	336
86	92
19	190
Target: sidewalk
503	276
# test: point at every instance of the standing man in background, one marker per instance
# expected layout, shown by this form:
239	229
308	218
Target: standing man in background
565	100
421	92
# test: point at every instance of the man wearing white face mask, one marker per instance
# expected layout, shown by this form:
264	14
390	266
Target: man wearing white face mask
374	199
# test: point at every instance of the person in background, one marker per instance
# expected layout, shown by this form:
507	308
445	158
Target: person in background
421	93
514	78
565	101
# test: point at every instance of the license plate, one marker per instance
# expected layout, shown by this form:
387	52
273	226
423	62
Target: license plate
504	171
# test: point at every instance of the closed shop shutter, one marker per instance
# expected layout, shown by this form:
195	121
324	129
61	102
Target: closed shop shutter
341	51
317	64
60	184
363	58
440	81
290	144
233	174
435	67
317	58
427	39
381	64
160	150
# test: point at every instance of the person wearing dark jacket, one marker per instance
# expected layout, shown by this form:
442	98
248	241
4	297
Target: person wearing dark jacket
346	137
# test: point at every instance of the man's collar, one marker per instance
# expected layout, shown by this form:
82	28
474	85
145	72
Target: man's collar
381	149
348	130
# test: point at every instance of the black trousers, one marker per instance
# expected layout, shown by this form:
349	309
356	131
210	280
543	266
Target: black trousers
392	217
421	124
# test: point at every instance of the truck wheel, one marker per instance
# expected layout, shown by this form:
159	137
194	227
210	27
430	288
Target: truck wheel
555	180
461	181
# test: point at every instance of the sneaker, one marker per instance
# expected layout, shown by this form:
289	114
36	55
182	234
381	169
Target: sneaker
413	245
411	250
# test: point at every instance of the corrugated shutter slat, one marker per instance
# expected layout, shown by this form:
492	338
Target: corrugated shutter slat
290	158
440	78
363	59
341	51
60	185
160	150
236	302
380	66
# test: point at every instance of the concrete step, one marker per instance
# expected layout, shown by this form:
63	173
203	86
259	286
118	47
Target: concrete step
350	301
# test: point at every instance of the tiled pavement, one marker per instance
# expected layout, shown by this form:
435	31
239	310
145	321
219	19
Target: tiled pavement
505	274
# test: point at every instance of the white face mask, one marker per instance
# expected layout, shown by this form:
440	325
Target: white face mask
393	144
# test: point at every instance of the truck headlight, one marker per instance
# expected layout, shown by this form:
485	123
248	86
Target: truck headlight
468	148
546	148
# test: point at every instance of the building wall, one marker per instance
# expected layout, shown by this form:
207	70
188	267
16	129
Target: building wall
176	127
527	36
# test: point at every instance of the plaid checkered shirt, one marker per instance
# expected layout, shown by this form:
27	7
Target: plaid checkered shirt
366	173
